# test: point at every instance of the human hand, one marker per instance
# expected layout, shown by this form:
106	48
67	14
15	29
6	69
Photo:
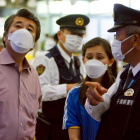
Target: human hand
94	92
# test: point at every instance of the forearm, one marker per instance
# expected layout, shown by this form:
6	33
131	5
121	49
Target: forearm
53	92
74	133
96	111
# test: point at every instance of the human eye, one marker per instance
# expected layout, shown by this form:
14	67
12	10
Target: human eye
89	57
116	36
30	30
18	26
100	57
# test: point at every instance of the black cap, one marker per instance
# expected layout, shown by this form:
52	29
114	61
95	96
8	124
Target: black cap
124	16
75	23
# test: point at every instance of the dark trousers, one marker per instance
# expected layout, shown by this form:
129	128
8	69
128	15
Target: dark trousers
46	130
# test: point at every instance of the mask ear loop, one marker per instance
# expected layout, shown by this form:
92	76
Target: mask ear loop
63	33
60	39
127	38
129	51
131	48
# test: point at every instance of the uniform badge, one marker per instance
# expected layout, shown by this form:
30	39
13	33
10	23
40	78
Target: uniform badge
79	21
129	92
40	69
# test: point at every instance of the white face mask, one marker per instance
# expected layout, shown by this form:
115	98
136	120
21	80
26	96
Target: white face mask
72	42
95	68
116	49
21	41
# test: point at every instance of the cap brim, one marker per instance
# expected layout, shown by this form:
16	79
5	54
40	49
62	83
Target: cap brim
75	30
114	28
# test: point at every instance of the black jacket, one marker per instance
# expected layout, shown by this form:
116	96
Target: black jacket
122	120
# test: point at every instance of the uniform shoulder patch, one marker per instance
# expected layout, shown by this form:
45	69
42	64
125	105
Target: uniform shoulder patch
40	69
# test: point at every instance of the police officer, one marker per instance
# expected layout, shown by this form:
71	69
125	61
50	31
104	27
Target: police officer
120	106
59	70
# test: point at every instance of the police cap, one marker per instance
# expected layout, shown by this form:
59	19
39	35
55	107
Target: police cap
75	23
124	16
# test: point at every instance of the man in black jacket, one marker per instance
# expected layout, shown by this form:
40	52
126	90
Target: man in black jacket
120	106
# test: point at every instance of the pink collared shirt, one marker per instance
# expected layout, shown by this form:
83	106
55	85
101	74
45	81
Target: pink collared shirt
20	98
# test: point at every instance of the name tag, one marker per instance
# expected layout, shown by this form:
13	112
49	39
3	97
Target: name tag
127	102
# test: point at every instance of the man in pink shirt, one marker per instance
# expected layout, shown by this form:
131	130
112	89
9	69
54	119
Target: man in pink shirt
20	93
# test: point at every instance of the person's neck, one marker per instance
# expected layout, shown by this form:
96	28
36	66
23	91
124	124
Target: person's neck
133	64
134	60
61	45
18	58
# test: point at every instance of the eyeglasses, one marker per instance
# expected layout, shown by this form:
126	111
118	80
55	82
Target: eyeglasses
116	36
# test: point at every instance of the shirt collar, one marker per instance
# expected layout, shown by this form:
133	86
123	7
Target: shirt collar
64	54
26	65
135	69
5	58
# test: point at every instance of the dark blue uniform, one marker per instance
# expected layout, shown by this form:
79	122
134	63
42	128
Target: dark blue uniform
122	120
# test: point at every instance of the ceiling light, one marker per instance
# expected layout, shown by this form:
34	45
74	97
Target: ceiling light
31	3
2	3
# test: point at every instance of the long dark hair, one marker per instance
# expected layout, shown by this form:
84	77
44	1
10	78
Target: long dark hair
108	78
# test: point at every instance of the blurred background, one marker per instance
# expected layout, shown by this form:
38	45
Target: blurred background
48	11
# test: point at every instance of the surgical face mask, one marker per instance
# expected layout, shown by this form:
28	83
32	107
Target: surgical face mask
95	68
21	41
116	49
72	42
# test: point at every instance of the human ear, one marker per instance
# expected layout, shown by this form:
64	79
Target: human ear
111	61
136	42
59	34
83	59
4	39
4	36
